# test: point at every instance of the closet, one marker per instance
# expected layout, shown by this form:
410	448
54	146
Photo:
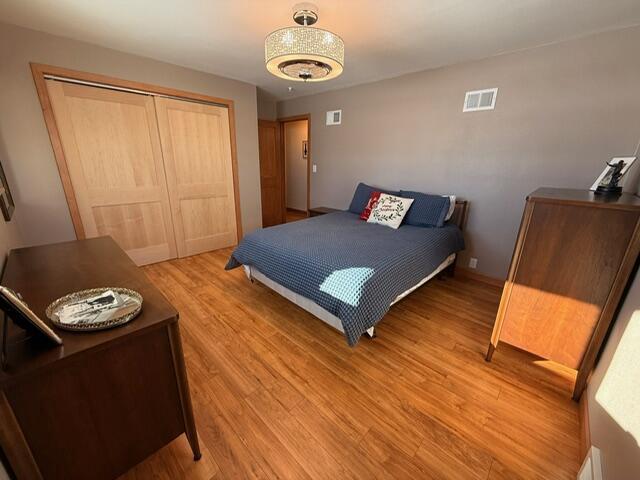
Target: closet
155	173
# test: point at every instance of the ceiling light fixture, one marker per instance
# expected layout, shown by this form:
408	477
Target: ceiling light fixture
304	53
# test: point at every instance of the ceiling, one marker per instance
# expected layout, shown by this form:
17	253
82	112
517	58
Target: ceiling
383	38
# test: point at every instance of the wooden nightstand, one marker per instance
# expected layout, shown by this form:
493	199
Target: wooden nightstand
317	211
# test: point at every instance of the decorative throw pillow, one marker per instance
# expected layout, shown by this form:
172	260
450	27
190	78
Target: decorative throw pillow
427	210
373	200
390	210
361	197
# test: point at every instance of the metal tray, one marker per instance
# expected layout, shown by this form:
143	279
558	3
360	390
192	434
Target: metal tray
76	296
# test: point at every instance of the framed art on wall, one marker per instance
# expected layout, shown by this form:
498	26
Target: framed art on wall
6	200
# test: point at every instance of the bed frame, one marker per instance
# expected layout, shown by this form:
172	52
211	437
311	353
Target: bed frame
458	218
447	267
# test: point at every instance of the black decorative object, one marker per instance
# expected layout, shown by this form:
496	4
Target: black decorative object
609	181
610	184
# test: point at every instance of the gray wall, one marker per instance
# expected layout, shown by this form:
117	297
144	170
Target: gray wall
42	214
614	392
9	237
9	232
561	111
267	105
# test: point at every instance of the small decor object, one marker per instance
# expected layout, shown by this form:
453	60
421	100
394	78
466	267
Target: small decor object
16	309
305	149
95	309
608	181
390	210
6	200
373	201
304	53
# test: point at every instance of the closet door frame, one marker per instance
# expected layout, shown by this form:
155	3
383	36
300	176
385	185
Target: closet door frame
40	71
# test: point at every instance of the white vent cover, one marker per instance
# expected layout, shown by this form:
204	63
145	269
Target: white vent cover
478	100
334	117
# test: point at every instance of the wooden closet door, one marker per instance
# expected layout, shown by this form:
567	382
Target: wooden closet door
196	146
112	150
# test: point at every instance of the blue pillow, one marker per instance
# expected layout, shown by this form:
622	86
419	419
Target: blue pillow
426	210
361	197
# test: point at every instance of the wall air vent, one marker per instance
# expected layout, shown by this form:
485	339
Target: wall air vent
334	117
478	100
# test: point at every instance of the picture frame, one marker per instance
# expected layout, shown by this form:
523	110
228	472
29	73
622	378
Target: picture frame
305	149
6	200
15	307
605	176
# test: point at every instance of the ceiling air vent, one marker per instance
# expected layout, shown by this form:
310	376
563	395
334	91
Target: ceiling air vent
334	117
478	100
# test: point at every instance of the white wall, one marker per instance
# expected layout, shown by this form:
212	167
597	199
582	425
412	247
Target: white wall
295	164
614	394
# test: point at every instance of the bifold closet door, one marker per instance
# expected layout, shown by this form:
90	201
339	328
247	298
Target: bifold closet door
196	146
113	154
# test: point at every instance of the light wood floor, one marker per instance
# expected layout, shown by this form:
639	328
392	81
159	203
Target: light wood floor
277	394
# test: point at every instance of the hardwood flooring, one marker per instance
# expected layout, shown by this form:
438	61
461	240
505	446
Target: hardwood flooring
295	215
278	394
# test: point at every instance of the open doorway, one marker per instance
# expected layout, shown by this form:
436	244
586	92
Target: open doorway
285	168
296	155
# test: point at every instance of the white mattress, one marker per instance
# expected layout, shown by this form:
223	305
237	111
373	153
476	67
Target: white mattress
315	309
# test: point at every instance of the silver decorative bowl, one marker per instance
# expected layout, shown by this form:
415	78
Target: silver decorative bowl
77	296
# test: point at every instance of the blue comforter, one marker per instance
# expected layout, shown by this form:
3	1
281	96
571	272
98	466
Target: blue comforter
349	267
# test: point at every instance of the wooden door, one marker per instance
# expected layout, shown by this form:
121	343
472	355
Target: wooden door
271	173
196	144
112	151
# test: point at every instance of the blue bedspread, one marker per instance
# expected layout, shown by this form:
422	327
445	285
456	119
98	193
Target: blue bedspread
349	267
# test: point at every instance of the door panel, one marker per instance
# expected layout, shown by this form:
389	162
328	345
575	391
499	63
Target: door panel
271	173
196	145
112	149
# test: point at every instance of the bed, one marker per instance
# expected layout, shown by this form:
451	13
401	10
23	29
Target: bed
345	271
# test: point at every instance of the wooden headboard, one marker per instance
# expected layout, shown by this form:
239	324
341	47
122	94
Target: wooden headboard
459	216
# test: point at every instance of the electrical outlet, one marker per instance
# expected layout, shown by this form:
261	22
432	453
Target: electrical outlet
473	262
315	168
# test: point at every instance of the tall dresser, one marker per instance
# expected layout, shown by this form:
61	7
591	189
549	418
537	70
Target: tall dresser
573	258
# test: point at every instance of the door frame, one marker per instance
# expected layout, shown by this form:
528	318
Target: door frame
40	71
295	118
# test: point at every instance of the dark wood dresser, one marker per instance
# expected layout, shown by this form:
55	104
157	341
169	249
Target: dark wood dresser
102	402
573	258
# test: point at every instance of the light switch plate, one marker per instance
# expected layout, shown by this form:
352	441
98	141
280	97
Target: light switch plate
314	168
